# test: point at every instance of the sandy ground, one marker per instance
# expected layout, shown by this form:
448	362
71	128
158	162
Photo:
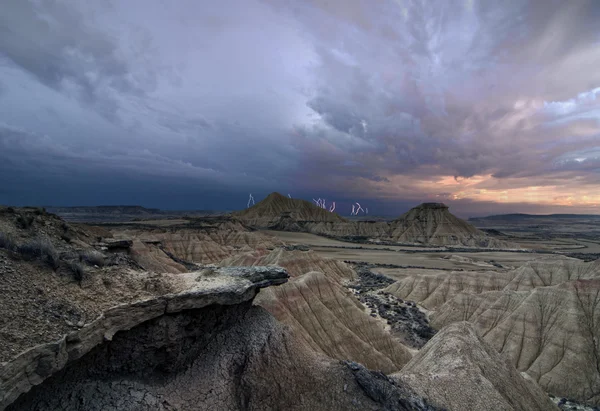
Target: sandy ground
315	240
402	255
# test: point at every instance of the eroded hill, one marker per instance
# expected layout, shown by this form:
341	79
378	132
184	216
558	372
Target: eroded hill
96	322
543	316
428	223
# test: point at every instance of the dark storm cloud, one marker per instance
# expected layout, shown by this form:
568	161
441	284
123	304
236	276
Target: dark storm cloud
379	100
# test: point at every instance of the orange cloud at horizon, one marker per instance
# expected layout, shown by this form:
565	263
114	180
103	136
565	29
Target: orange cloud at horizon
486	188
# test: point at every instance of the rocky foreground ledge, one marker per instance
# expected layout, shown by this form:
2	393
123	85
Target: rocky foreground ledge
211	286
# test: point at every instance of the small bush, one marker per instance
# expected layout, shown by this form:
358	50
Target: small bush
41	249
24	221
77	269
92	257
7	242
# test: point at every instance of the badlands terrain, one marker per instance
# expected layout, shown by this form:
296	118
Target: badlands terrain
286	305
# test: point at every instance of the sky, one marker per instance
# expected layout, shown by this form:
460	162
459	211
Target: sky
488	106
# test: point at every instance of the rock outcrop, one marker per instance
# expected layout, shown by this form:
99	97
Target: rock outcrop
204	347
191	291
432	223
459	371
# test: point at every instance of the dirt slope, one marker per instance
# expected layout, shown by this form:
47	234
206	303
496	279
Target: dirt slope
269	211
297	262
331	320
459	371
324	312
542	316
200	242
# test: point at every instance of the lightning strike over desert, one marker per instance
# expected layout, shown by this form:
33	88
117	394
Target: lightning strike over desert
132	277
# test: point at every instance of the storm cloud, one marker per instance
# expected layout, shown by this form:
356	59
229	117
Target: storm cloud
489	106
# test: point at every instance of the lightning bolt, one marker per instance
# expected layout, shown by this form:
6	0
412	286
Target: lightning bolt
332	208
250	200
359	209
289	196
352	209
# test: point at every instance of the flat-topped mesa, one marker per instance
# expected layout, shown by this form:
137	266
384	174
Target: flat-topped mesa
434	224
223	286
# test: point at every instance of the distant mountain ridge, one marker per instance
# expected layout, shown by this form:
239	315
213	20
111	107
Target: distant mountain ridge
122	209
121	213
519	216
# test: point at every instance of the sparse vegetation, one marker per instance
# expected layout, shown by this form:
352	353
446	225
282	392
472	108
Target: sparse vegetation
92	257
41	249
7	242
66	237
77	269
24	221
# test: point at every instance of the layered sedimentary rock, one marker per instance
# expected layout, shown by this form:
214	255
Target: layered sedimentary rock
331	320
189	291
551	333
323	312
542	316
428	223
296	262
431	290
432	223
202	348
167	249
459	371
276	207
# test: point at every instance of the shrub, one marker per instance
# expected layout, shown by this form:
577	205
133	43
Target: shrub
7	242
24	221
92	257
41	249
77	269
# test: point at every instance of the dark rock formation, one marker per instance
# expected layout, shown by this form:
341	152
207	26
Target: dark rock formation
205	348
227	286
